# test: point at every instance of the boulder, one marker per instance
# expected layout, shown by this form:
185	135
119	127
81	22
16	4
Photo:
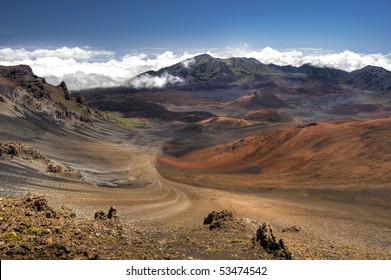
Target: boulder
218	219
110	215
270	242
40	204
100	215
65	90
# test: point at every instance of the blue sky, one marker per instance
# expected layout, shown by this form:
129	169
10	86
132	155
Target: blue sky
124	26
104	43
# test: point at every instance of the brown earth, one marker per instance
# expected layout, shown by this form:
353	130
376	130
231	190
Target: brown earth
339	152
32	229
270	115
166	217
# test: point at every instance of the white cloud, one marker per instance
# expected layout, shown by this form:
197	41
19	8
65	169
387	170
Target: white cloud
79	80
148	81
188	62
88	68
62	53
347	60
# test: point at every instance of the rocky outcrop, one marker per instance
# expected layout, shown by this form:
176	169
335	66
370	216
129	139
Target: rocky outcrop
218	219
14	149
65	90
15	72
110	215
40	204
307	125
28	95
269	241
23	76
32	229
27	155
52	168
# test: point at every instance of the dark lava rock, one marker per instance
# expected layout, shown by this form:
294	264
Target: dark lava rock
12	150
80	100
110	215
40	204
100	215
65	90
54	168
18	149
270	242
27	232
307	125
218	219
16	71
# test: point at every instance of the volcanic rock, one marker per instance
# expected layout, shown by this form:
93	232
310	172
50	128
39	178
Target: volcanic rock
29	95
64	88
110	215
28	232
40	204
307	125
20	150
270	242
218	219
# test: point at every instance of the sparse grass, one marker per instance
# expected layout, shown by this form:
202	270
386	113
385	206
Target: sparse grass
109	239
69	233
127	123
34	230
244	80
214	250
9	236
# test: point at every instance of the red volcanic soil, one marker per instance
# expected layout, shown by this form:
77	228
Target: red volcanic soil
337	152
270	115
224	122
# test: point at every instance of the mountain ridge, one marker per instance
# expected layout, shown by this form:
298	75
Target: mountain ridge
205	72
370	78
24	94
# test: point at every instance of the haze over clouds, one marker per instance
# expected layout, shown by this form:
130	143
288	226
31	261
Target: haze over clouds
88	68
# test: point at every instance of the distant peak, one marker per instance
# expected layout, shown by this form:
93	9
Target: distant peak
373	68
204	56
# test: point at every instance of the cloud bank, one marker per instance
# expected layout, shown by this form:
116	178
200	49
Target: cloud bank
84	67
148	81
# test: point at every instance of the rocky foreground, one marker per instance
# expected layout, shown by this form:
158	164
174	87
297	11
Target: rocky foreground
32	229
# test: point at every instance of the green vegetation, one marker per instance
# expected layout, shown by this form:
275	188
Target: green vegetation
214	250
9	236
34	230
127	123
